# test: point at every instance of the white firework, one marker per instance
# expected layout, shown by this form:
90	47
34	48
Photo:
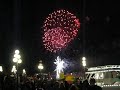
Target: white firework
59	66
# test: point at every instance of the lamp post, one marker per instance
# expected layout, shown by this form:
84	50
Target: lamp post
40	66
84	64
17	60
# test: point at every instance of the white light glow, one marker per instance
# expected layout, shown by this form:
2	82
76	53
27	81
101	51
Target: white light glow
1	69
110	85
104	67
101	71
14	59
59	66
19	61
24	72
84	61
97	76
14	69
40	66
17	57
83	58
17	51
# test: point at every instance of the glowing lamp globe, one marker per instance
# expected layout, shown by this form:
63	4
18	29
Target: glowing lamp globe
14	59
17	51
40	66
19	61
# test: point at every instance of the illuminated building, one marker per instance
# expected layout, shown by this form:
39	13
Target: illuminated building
106	76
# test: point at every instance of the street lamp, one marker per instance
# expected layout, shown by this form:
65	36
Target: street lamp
1	69
17	60
17	57
84	64
40	66
84	61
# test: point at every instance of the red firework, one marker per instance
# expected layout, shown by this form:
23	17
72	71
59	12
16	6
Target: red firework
60	27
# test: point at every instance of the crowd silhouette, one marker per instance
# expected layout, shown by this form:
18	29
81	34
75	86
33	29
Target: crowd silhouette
8	82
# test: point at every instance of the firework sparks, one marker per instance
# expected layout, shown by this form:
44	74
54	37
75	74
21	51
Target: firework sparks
60	27
59	66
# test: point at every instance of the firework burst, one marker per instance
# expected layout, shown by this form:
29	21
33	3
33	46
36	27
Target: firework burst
60	27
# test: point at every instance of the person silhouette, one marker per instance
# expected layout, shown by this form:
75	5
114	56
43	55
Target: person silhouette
93	86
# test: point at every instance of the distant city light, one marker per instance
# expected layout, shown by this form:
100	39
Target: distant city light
59	66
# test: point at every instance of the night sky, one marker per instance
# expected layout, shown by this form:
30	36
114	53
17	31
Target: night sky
21	28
